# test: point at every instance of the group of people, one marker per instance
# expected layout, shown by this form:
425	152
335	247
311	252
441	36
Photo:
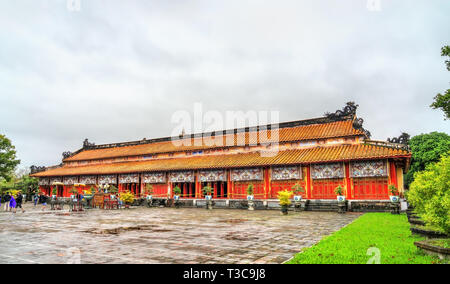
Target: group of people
11	203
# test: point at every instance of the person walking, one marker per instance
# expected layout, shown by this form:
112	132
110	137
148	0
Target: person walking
7	199
19	200
36	199
12	204
43	200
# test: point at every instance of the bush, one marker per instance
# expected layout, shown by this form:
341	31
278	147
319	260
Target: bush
430	194
284	197
127	197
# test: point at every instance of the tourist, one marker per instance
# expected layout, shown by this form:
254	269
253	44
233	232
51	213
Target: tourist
12	204
7	199
43	200
19	200
36	199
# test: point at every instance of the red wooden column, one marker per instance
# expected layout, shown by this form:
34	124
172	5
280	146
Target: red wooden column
229	185
308	182
393	174
266	183
348	181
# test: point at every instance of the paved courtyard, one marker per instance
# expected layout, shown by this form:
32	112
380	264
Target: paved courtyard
162	235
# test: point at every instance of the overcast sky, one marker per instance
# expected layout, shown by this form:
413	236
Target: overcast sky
117	70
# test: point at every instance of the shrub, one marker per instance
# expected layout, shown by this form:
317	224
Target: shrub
285	197
339	190
73	190
207	190
392	189
113	189
177	190
149	189
127	197
298	189
430	194
250	189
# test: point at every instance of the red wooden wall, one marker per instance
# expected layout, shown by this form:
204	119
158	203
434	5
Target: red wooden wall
370	188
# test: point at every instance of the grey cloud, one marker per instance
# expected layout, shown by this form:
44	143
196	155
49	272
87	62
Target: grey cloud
117	71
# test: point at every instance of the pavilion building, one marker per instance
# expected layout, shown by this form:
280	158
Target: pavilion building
318	154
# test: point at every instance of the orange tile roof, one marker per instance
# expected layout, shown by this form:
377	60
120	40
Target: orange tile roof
290	157
299	133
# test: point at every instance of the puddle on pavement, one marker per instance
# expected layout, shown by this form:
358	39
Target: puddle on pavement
116	231
236	236
233	221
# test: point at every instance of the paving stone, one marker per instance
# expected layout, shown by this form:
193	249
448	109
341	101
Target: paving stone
162	235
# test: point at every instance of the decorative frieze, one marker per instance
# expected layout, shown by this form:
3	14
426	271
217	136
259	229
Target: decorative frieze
286	173
368	169
184	176
159	177
107	179
247	174
212	175
129	178
44	181
88	180
55	180
326	171
70	180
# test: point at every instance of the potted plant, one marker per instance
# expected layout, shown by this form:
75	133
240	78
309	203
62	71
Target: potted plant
342	204
113	191
149	192
176	193
176	196
250	192
285	200
340	193
54	192
128	198
298	190
394	193
74	192
207	190
250	197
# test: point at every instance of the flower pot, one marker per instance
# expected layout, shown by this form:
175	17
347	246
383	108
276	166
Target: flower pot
208	197
284	209
250	197
394	198
297	198
176	197
149	197
54	196
340	198
112	196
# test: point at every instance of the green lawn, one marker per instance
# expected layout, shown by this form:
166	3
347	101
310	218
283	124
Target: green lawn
384	231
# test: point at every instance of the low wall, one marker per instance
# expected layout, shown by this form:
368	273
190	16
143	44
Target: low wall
310	205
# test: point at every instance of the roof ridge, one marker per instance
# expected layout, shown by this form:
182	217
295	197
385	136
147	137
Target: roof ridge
288	124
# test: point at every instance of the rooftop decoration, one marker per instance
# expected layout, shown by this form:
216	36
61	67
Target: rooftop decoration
87	144
36	169
66	154
349	110
402	139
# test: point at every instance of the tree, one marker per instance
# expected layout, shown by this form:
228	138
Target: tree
443	101
426	149
430	194
8	160
28	185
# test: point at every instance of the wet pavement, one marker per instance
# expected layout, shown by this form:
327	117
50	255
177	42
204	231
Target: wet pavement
162	235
